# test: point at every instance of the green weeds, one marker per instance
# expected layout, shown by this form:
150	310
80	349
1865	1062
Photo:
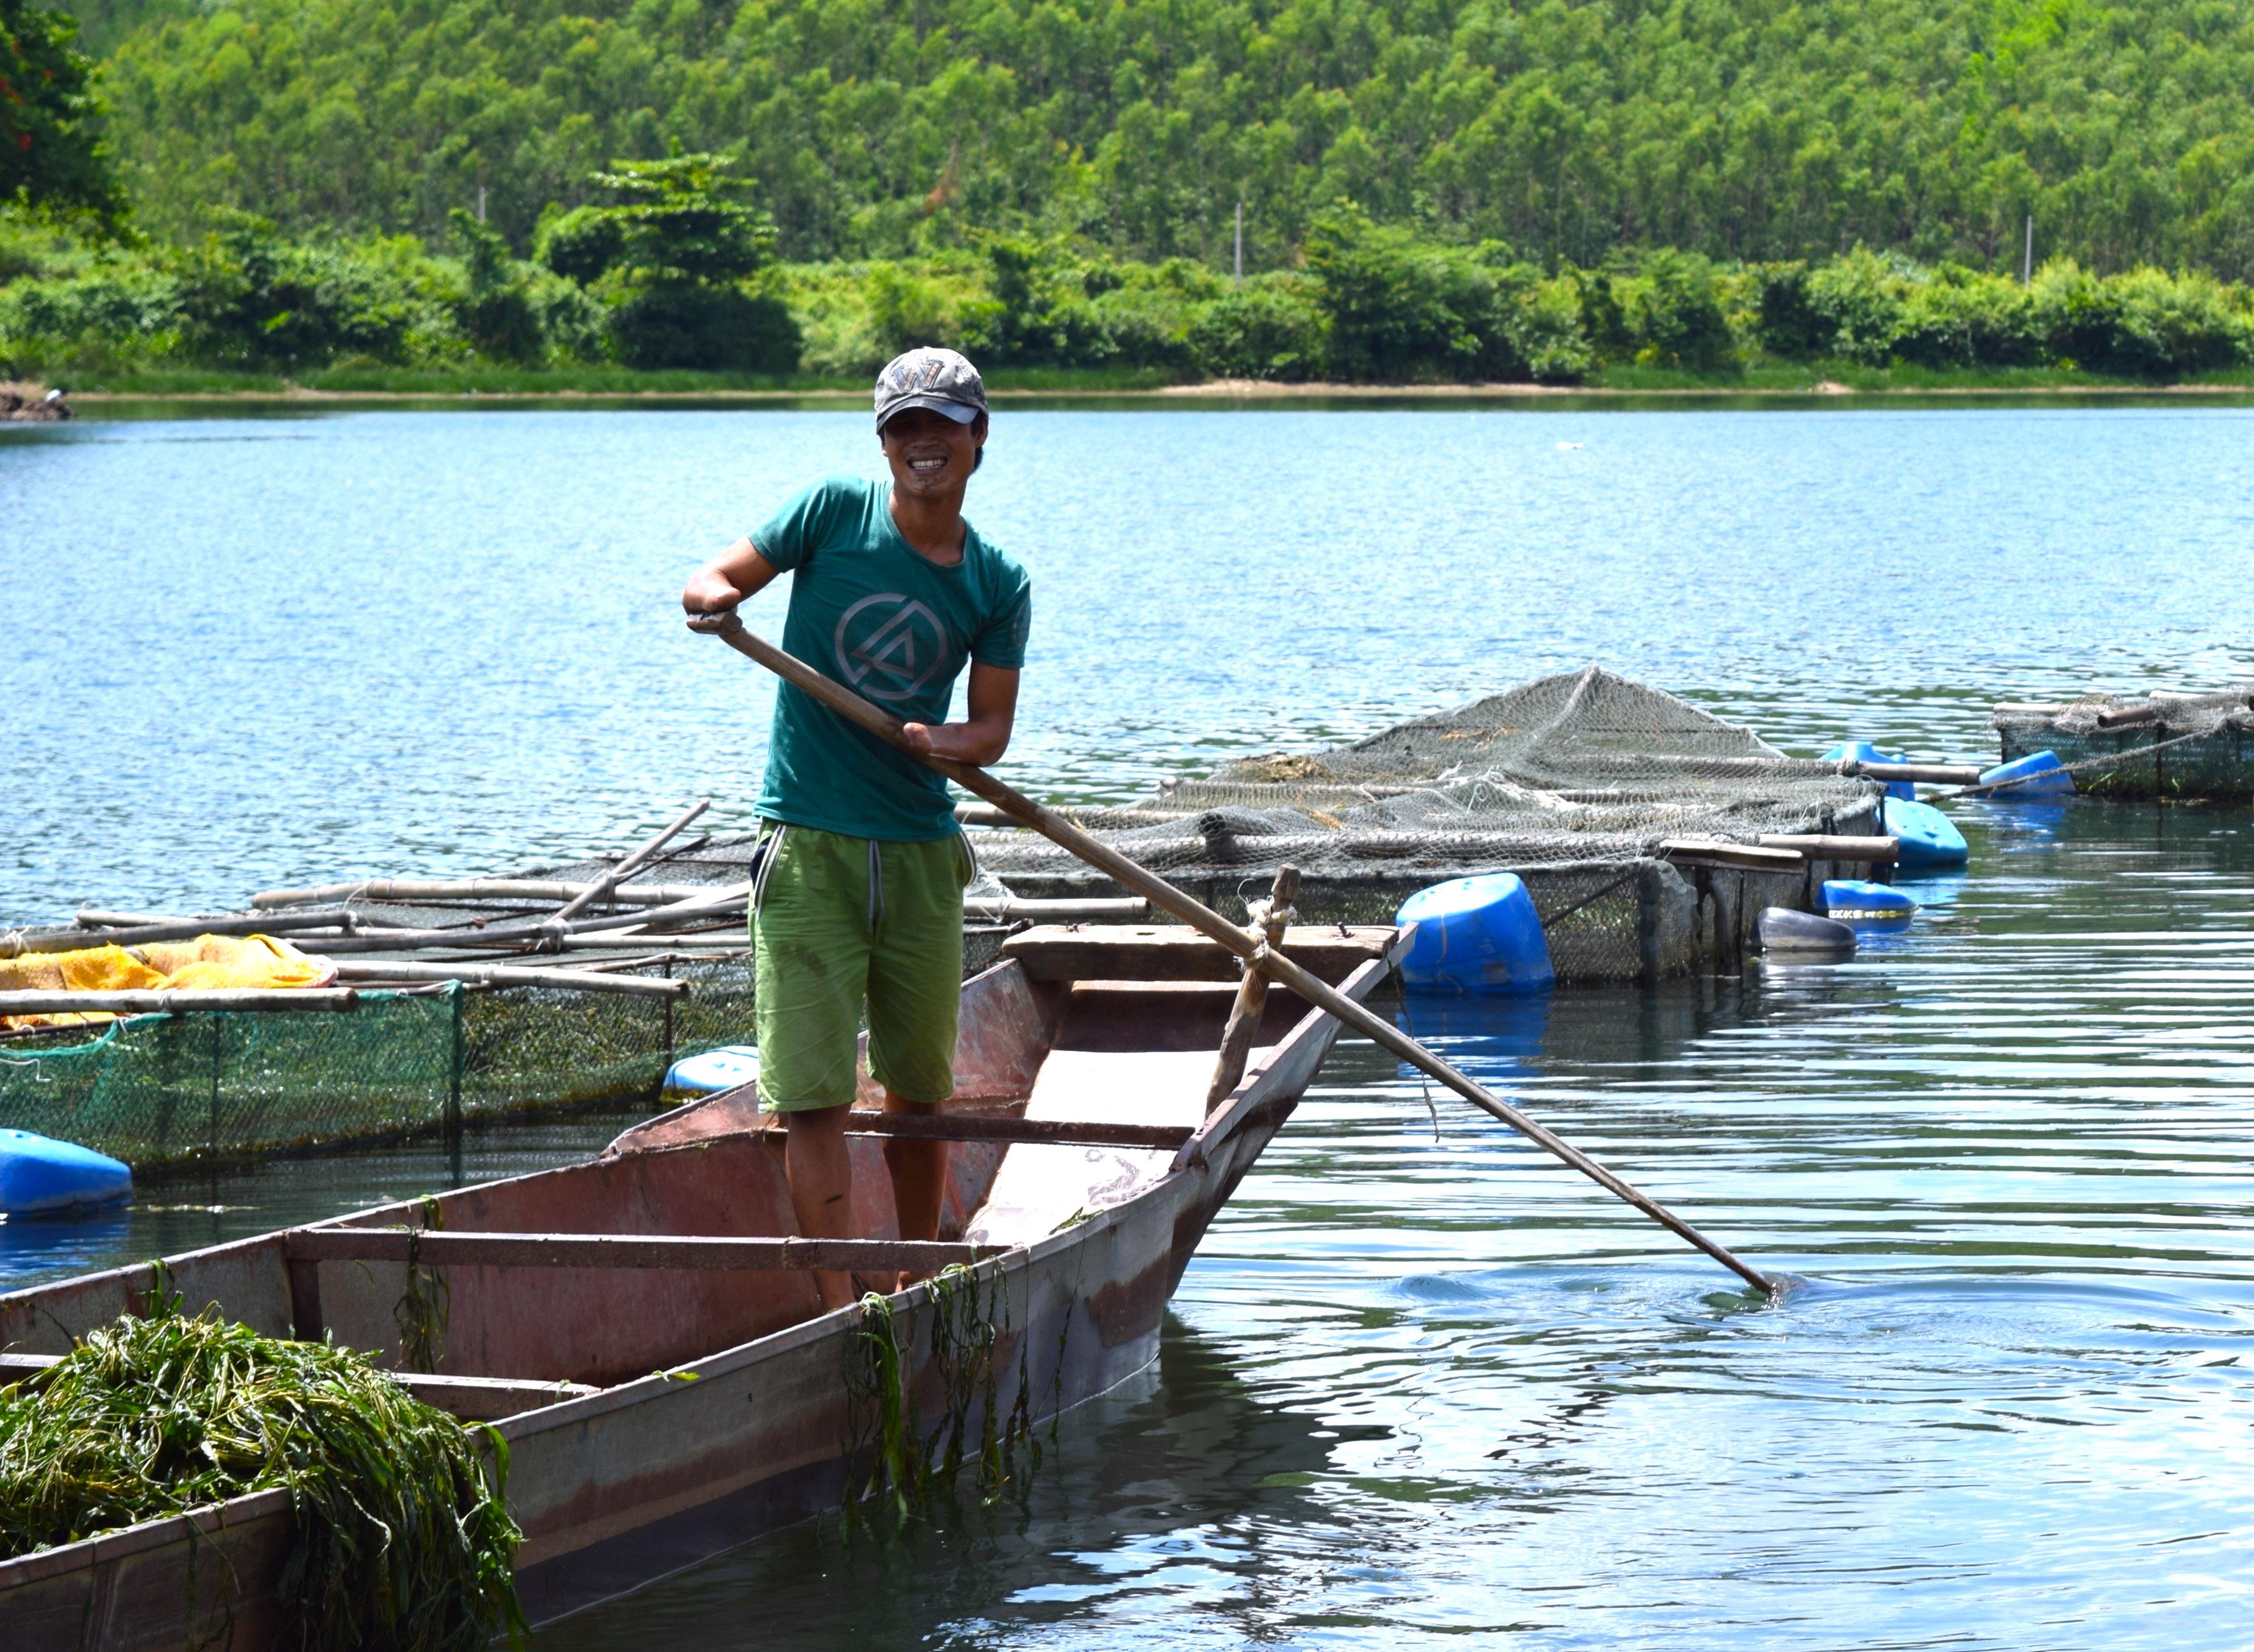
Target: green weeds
403	1540
895	1464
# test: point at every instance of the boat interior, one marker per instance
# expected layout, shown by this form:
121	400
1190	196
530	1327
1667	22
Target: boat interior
1082	1067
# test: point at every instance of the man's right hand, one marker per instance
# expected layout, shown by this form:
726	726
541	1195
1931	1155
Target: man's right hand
713	591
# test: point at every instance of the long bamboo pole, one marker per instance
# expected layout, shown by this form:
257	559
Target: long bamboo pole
417	891
172	930
504	976
1254	949
174	1000
625	868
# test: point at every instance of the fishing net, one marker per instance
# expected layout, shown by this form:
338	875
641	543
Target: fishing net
2184	746
166	1091
162	1090
1580	769
1579	782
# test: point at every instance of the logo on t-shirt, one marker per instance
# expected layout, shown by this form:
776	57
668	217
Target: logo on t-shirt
889	646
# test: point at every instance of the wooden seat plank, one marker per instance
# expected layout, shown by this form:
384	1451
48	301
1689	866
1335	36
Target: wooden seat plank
1175	952
440	1249
963	1127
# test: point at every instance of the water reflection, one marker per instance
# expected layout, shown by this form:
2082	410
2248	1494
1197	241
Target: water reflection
1159	1490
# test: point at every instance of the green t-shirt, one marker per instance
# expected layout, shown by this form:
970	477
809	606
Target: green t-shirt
870	611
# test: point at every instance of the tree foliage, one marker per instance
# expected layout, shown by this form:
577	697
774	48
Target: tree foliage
1738	130
1374	303
51	157
672	249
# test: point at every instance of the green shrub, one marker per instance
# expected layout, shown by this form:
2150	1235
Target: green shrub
1672	316
1603	323
112	317
691	325
1138	315
572	323
908	308
1787	324
1272	327
1962	318
1550	336
581	245
248	299
496	315
1857	304
2142	325
1404	309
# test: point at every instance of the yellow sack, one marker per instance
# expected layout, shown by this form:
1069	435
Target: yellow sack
207	963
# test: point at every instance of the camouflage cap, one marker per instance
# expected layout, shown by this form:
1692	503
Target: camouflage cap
927	376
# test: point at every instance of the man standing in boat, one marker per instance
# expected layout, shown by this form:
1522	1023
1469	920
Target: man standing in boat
858	902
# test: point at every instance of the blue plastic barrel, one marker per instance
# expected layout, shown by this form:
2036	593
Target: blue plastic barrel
41	1176
2039	774
1863	751
1862	905
714	1071
1930	839
1475	935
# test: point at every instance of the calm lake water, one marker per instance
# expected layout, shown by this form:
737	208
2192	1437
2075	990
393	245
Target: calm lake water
1413	1390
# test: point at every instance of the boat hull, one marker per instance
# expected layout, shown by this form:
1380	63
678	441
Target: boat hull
660	1470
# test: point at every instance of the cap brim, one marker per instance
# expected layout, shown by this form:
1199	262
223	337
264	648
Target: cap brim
961	412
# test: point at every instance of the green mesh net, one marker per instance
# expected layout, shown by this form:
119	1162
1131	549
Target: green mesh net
166	1090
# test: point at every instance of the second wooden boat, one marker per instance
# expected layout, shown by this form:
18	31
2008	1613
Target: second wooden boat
642	1327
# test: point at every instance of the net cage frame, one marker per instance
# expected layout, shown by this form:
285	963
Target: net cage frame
192	1090
1577	782
2179	747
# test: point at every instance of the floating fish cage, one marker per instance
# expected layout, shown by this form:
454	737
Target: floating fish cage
2181	748
1635	821
196	1088
171	1092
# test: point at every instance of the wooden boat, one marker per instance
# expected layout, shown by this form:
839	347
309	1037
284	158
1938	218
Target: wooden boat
642	1327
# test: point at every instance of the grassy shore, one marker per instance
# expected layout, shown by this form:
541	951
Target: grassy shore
1829	379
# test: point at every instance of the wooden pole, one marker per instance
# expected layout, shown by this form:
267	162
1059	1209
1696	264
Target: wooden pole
725	902
178	929
174	1000
1251	994
502	975
1932	773
415	892
1824	846
1253	949
625	868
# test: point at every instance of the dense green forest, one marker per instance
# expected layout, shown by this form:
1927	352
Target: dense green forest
1440	189
1743	129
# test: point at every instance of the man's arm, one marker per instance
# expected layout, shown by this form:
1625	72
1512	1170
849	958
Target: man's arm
736	573
983	734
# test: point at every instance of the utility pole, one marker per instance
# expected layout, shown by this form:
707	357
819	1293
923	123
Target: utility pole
2027	258
1240	243
482	203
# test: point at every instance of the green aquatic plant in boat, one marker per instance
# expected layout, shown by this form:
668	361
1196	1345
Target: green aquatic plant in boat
426	1300
403	1540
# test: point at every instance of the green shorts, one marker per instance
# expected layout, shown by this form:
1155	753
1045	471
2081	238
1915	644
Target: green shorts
840	922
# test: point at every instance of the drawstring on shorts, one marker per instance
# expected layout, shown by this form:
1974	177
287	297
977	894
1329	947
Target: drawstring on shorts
769	851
